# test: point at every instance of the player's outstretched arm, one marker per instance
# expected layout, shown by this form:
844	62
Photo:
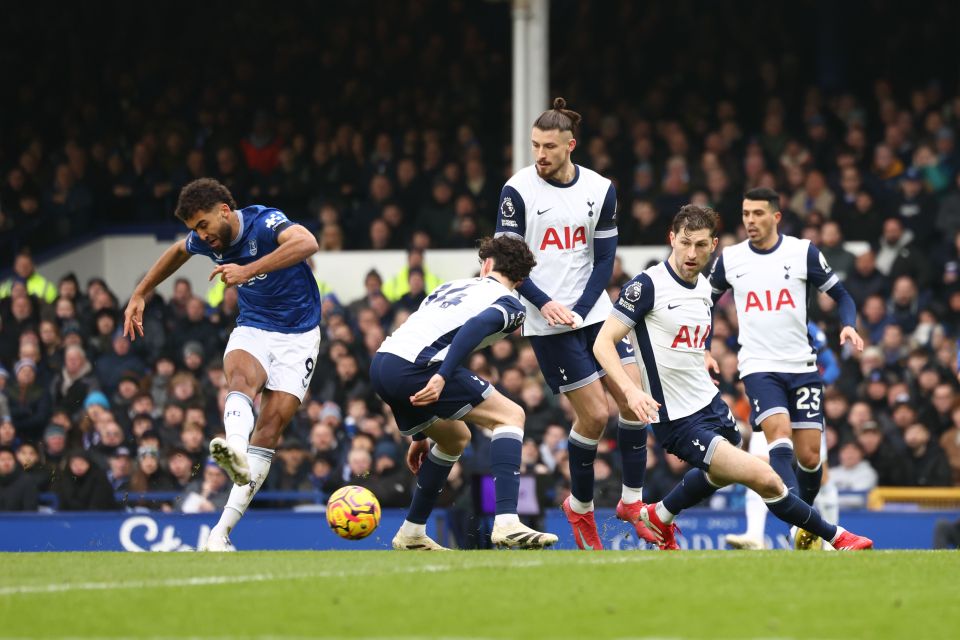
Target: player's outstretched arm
165	266
605	350
296	244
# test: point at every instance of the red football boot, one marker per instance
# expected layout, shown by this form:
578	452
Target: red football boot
584	528
631	513
847	541
665	534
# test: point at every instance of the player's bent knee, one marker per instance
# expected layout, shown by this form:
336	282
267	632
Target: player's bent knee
459	440
769	485
808	458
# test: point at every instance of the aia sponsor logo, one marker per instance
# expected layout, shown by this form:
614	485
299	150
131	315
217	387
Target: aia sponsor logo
563	238
767	301
691	337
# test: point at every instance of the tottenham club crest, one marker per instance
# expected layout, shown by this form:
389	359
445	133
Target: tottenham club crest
632	293
253	247
507	210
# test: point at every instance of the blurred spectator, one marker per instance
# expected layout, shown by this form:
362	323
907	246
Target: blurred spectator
18	492
28	401
75	381
206	494
31	461
83	486
929	466
25	272
854	473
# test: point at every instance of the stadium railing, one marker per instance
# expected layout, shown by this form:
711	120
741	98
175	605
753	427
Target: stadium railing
886	498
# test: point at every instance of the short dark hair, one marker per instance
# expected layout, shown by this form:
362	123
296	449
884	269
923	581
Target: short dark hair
511	256
559	118
693	218
762	193
202	195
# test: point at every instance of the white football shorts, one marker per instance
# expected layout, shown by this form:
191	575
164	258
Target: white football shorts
288	358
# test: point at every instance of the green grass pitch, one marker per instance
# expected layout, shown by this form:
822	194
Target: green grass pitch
481	594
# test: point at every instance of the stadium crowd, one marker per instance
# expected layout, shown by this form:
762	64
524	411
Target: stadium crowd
381	163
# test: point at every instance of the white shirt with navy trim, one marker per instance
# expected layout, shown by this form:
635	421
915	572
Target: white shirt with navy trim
559	222
671	321
425	337
770	290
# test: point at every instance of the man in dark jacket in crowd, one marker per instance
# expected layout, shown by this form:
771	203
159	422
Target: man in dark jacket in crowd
17	491
84	486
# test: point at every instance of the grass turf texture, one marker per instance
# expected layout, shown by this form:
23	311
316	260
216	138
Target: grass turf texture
481	594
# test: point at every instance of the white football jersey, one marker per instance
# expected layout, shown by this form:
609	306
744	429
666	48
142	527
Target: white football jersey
426	335
559	223
671	321
770	289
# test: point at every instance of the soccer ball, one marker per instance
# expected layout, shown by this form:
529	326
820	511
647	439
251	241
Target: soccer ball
353	512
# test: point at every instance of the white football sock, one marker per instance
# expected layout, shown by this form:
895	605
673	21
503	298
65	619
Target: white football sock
506	518
629	495
412	529
240	498
756	515
580	507
664	514
238	419
828	503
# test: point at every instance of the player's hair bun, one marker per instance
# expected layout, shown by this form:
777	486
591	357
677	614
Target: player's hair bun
559	104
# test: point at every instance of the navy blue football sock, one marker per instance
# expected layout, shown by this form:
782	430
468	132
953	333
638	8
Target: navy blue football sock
692	489
582	452
505	464
793	510
808	482
781	459
430	480
632	442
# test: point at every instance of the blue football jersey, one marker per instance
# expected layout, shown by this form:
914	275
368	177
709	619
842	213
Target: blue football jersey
286	300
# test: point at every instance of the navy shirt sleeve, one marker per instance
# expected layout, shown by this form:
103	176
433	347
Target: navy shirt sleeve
512	214
471	334
822	276
818	271
604	253
513	313
718	278
635	301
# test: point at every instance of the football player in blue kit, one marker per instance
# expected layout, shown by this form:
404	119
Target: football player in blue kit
668	310
567	215
771	275
418	371
274	347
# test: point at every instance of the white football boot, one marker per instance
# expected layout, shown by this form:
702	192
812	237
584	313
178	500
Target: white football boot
232	460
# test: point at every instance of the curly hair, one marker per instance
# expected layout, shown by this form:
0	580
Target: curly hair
511	256
559	118
202	195
693	218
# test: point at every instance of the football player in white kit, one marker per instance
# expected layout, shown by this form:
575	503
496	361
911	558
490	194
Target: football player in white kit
668	309
418	371
771	274
567	215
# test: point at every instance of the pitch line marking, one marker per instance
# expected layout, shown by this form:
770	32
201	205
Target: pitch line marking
270	577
